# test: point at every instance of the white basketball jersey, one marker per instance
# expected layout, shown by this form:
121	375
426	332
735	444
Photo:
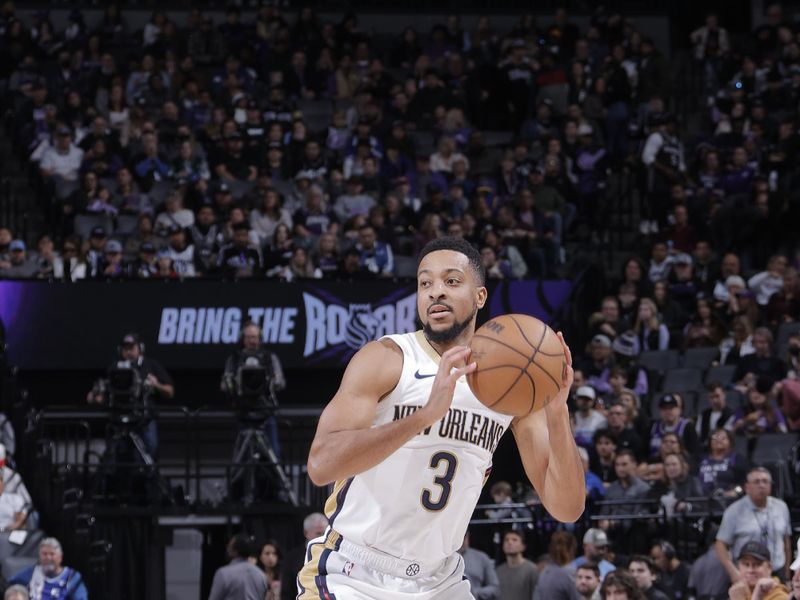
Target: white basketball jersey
417	503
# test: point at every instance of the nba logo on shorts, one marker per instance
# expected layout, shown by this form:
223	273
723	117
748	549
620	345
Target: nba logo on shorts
348	568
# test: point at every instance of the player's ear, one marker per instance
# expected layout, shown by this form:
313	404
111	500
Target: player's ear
481	294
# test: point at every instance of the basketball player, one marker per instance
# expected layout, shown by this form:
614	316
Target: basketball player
409	447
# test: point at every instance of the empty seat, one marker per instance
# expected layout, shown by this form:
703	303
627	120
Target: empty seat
315	107
423	142
659	361
774	447
85	223
498	138
721	373
126	224
700	358
682	380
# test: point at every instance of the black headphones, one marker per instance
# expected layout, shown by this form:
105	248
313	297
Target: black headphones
668	549
131	338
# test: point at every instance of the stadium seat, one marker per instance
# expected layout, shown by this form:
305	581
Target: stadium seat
774	447
498	138
85	223
785	331
682	380
423	142
158	192
722	373
659	361
700	358
405	266
126	225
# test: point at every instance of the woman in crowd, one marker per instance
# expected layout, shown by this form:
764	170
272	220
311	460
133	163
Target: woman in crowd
269	561
652	333
676	485
759	414
722	469
266	217
705	329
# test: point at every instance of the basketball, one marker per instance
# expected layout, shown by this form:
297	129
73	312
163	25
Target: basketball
520	364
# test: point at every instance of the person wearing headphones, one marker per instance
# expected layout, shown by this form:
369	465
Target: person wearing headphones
674	580
252	352
157	383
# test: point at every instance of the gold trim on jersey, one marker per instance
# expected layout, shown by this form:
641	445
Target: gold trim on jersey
331	504
426	346
310	571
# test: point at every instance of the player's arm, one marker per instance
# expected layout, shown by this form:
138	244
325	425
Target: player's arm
549	453
346	443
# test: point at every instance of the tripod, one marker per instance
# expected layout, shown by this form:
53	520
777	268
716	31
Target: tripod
253	456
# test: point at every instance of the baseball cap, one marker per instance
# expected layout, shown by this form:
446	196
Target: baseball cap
585	129
16	245
113	246
601	340
63	130
98	232
668	400
130	339
682	259
755	549
173	229
586	391
596	537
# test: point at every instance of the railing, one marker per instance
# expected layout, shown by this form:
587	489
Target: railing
198	471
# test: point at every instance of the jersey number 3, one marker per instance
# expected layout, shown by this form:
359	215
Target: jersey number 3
445	481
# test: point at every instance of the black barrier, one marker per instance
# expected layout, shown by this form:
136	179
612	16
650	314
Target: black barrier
195	324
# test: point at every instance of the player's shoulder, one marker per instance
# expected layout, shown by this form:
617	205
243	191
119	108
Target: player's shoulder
383	352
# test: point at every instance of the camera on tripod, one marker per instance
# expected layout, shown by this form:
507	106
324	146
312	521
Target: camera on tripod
126	391
251	389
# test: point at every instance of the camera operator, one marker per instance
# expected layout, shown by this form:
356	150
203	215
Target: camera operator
155	383
253	354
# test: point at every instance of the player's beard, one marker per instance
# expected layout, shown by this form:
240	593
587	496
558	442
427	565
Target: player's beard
448	335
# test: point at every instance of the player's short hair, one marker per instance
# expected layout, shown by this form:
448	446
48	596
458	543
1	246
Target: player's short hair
461	246
590	566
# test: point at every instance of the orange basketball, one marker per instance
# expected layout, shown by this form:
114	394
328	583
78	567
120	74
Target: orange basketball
521	364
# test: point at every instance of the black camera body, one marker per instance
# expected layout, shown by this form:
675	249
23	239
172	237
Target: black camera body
127	392
251	388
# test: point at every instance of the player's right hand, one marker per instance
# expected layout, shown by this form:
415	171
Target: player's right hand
452	366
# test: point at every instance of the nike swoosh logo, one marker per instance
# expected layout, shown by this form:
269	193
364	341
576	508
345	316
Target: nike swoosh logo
419	375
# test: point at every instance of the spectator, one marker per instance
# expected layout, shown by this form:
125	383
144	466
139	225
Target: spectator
267	215
603	458
674	579
652	334
627	487
239	259
174	215
619	423
784	305
376	256
240	579
269	561
556	580
74	261
518	576
663	157
768	283
18	265
722	469
354	201
714	417
607	322
150	166
16	592
234	163
301	266
707	577
761	363
479	569
705	329
756	580
756	517
676	486
62	161
314	526
670	408
587	419
48	578
660	262
181	252
595	489
595	544
620	585
645	573
587	582
759	413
